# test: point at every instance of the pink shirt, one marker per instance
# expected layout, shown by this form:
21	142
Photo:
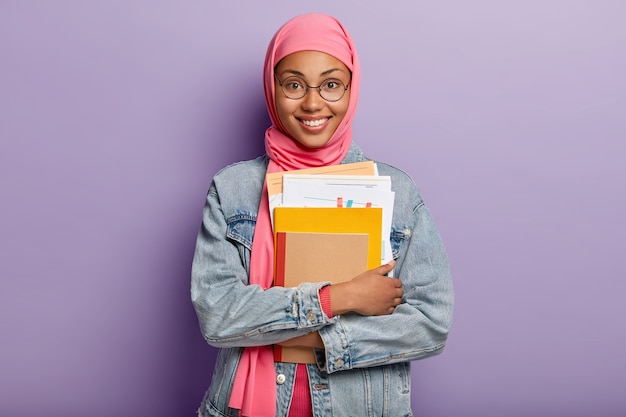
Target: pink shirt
301	398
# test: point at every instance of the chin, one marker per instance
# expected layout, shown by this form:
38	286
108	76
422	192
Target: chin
309	144
311	141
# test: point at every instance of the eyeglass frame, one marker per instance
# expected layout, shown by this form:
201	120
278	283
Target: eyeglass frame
306	91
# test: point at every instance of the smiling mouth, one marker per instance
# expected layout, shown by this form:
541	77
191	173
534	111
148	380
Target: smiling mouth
314	123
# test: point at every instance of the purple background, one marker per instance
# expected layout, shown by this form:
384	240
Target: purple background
511	117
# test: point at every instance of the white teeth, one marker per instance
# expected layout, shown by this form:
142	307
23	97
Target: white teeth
314	123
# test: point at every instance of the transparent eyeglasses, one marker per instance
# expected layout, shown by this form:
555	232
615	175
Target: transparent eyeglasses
295	88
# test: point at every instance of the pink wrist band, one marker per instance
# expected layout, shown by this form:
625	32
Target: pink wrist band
325	301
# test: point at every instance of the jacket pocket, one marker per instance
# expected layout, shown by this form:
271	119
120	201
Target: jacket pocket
240	230
218	395
399	240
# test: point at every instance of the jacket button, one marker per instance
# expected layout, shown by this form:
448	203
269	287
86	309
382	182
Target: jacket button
280	379
339	363
310	315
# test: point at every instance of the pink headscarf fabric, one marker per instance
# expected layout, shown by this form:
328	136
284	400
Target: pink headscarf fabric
254	389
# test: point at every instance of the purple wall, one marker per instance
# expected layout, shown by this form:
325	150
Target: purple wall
114	117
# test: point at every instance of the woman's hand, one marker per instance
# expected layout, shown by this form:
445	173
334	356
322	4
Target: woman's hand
369	294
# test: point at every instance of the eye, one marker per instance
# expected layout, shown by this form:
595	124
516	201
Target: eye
331	85
293	84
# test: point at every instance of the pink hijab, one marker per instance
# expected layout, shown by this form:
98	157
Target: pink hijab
254	389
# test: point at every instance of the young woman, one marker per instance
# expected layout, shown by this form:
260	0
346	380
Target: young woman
365	331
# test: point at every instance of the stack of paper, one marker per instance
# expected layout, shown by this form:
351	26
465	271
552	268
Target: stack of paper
329	225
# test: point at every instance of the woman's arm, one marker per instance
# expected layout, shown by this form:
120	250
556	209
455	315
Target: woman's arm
417	328
231	312
370	293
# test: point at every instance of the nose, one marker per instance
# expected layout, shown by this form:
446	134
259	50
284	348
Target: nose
312	101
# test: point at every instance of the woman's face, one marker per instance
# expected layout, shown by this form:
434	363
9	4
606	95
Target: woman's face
311	120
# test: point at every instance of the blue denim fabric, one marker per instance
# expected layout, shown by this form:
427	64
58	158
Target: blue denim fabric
365	369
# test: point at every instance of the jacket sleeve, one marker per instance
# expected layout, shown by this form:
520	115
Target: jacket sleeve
232	313
419	326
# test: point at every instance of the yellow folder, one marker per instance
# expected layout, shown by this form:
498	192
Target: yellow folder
360	220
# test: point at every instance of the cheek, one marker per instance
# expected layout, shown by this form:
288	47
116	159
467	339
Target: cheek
283	110
341	107
341	110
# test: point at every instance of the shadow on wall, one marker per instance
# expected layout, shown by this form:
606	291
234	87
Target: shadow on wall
239	132
185	360
237	138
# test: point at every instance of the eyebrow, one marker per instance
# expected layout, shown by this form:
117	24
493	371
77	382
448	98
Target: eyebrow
299	74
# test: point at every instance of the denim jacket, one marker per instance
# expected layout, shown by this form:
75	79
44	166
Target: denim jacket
364	369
